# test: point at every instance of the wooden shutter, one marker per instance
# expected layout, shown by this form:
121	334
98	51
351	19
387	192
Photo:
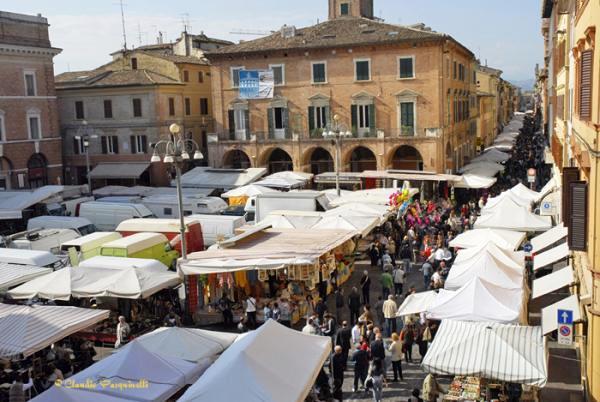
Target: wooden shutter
115	143
271	121
133	144
231	117
144	144
247	123
354	117
577	237
104	144
372	124
327	116
585	84
570	174
311	119
286	121
75	146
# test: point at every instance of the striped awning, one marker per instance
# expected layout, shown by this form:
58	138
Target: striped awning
493	351
13	274
28	329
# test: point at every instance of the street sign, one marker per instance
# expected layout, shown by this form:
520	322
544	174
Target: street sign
565	334
531	175
527	247
565	317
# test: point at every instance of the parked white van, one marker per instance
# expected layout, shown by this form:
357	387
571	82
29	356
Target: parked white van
80	225
30	257
44	240
166	206
106	216
130	199
216	227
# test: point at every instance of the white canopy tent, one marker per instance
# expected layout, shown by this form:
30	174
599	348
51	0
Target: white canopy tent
378	196
483	171
207	177
550	313
270	364
13	274
505	202
28	329
505	239
280	182
163	375
251	190
489	350
493	155
501	147
474	166
549	237
522	191
467	254
190	344
360	224
478	300
549	187
352	209
416	303
63	394
551	256
292	219
552	282
514	218
492	265
122	280
474	181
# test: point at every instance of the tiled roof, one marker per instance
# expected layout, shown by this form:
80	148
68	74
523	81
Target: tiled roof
349	31
98	79
177	58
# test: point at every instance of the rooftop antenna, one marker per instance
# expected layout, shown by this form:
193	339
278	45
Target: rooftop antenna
123	25
185	20
139	29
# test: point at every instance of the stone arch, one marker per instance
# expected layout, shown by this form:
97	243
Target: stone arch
236	159
278	160
361	158
319	160
37	170
406	157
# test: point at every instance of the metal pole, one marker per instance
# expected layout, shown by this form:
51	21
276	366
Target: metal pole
338	151
180	205
87	164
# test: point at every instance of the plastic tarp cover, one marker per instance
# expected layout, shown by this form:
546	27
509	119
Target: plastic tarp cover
549	237
552	282
416	303
13	274
505	239
271	364
474	181
551	256
509	353
514	218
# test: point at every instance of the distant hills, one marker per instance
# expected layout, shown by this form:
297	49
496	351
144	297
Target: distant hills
525	85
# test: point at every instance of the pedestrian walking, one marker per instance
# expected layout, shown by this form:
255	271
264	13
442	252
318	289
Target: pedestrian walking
389	312
378	378
251	312
354	305
374	254
337	370
225	307
360	357
398	275
339	304
343	338
365	285
427	269
395	349
387	282
407	336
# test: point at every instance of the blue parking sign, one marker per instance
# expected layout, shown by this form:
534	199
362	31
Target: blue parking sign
565	316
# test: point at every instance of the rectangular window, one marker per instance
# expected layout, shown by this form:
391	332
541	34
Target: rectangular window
79	114
134	63
168	211
240	120
278	118
137	107
171	106
200	76
203	106
319	73
35	131
30	89
110	144
447	68
585	84
320	115
78	148
407	118
362	69
578	216
139	144
108	114
186	76
235	76
406	67
188	107
344	9
278	73
454	65
363	117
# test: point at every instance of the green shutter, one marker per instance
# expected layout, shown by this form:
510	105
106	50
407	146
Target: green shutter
144	144
372	125
311	119
354	117
327	116
104	141
231	117
286	121
247	124
115	140
132	141
271	122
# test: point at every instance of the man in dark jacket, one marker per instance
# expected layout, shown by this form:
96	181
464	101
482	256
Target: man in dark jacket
343	338
361	365
339	304
365	285
354	305
320	309
378	350
337	371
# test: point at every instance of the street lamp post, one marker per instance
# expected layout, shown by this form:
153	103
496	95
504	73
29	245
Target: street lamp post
336	133
176	152
85	139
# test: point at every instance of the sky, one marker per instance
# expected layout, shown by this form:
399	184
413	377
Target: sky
503	33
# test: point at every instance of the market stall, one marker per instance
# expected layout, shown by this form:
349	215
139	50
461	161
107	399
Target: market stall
273	363
490	354
548	238
239	196
12	274
505	239
417	303
493	155
271	263
505	202
514	217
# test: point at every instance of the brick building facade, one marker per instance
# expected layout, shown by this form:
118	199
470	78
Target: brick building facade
30	141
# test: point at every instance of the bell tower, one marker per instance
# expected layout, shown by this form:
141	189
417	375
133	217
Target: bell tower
350	8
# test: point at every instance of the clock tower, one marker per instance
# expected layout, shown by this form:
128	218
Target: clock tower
350	8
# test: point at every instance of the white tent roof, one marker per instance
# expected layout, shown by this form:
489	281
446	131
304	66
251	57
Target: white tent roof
352	209
360	224
28	329
12	203
478	300
474	166
280	182
250	190
292	219
550	186
492	265
474	181
493	155
110	281
270	364
13	274
105	262
467	254
505	202
186	343
416	303
552	282
62	394
501	147
551	256
378	196
206	177
286	174
521	191
505	239
514	218
549	237
508	353
164	375
482	171
550	313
